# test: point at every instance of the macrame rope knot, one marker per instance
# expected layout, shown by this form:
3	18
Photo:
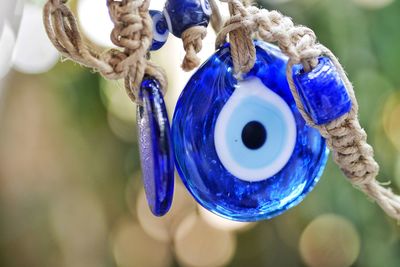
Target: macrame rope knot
344	136
192	43
240	28
113	57
132	32
245	22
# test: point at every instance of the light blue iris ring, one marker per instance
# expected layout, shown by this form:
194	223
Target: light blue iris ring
253	102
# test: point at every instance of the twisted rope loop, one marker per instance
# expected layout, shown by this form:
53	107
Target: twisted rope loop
344	136
132	32
298	43
193	43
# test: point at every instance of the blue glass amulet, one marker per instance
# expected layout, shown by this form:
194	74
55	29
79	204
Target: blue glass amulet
157	160
183	14
322	92
242	148
160	30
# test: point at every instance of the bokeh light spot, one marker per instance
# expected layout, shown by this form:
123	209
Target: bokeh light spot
197	244
95	21
330	241
116	100
164	228
34	53
132	247
391	122
222	223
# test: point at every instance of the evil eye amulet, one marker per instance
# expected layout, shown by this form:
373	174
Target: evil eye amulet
183	14
241	147
154	138
160	30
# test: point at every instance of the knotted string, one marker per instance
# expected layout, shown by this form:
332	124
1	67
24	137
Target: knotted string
344	136
193	38
132	32
216	17
193	43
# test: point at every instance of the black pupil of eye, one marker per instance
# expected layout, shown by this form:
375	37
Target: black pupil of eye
254	135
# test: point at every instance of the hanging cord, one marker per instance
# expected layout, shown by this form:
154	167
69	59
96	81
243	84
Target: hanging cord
193	43
193	38
216	17
344	136
240	37
132	32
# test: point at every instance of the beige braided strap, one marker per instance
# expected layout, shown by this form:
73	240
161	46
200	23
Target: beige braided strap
132	31
345	137
193	39
240	37
193	43
216	17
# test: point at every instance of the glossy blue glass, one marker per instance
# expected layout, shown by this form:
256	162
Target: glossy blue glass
183	14
154	138
322	92
241	147
160	30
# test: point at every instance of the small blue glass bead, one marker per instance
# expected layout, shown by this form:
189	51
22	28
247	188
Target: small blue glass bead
160	30
322	92
157	159
242	148
183	14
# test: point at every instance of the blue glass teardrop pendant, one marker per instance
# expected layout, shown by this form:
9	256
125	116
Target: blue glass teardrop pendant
157	159
242	148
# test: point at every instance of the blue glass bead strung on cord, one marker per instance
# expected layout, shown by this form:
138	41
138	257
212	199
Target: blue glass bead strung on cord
241	147
160	30
156	155
183	14
322	92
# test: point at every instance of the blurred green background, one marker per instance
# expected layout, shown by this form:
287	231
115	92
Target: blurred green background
70	186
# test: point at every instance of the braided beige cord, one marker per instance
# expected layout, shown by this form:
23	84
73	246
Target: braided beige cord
193	39
345	137
240	44
132	31
216	17
193	43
